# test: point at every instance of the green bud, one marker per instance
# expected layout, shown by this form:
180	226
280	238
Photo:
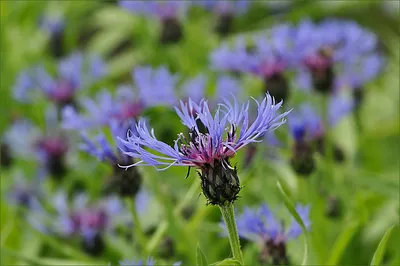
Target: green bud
220	183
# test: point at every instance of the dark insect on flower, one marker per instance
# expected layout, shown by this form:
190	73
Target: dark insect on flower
261	226
227	132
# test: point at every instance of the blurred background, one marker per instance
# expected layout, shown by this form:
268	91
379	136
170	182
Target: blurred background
75	75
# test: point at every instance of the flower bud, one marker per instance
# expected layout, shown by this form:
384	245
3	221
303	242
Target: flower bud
274	253
5	156
224	24
277	86
126	183
302	159
219	182
94	246
171	31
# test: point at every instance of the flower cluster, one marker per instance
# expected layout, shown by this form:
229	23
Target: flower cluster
327	57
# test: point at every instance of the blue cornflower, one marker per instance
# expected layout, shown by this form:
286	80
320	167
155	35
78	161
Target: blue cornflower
149	262
225	11
270	57
52	24
210	151
235	58
306	124
24	194
262	226
125	183
73	74
336	54
49	148
308	131
90	221
168	12
153	87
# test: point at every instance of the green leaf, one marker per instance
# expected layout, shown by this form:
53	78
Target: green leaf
201	257
290	206
342	242
380	251
230	262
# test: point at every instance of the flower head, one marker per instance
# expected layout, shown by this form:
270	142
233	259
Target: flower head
73	74
227	132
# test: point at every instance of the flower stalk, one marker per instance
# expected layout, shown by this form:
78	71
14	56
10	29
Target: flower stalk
228	214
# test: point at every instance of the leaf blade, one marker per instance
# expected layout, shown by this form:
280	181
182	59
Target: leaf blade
380	251
201	259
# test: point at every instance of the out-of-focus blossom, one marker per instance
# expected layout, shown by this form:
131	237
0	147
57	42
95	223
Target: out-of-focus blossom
336	54
24	194
263	227
168	12
153	87
226	132
74	73
90	221
225	12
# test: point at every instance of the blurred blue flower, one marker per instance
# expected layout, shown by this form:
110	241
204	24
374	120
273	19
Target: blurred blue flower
73	74
204	148
153	87
307	124
24	194
261	225
86	219
103	149
335	54
160	9
52	24
149	262
225	7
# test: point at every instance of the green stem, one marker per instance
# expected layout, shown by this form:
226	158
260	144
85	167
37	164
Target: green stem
229	217
137	231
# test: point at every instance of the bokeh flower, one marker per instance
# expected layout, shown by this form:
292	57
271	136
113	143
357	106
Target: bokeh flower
263	227
73	74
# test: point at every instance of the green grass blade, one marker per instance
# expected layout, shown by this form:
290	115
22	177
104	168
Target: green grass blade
380	251
290	206
341	243
200	257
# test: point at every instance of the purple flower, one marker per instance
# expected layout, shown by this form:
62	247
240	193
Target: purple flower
260	225
209	146
52	24
153	87
205	148
159	9
149	262
225	7
307	124
336	54
73	75
103	149
24	194
86	219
